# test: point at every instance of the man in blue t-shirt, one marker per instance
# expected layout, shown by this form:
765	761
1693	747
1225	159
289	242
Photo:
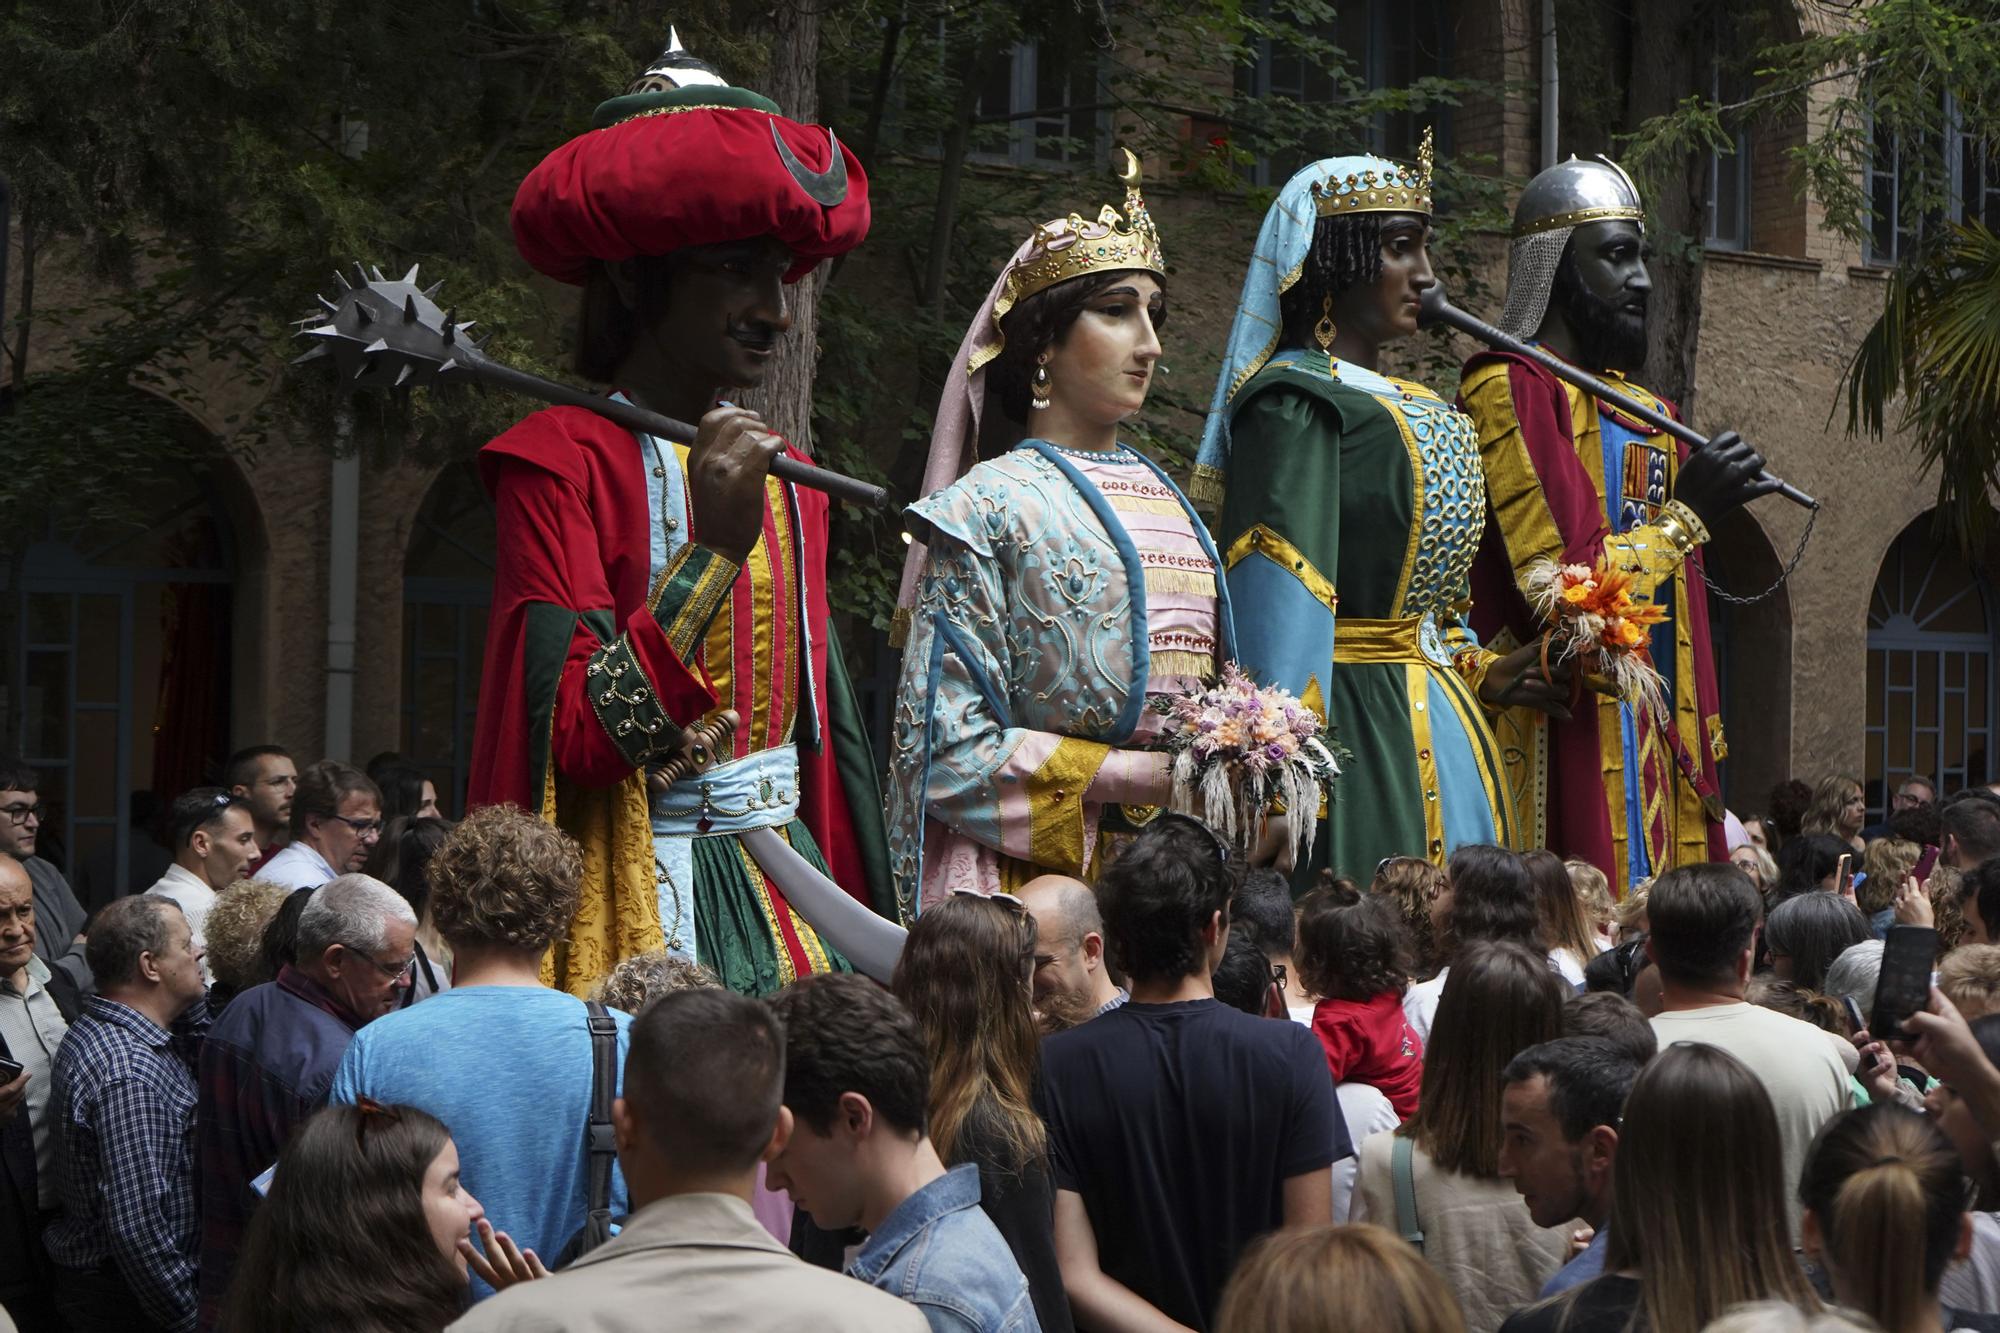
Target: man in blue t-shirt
1179	1129
501	1059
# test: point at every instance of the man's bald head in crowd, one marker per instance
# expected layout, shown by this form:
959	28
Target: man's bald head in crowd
1071	978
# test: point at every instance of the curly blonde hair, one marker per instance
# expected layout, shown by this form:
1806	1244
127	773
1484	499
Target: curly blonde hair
234	931
505	877
1412	884
645	977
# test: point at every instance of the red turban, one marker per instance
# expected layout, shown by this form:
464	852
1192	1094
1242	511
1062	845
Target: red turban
690	175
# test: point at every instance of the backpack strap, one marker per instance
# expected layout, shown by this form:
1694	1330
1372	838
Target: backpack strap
600	1143
1403	1180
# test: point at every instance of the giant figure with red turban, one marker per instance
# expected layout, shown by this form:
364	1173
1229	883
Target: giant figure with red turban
643	586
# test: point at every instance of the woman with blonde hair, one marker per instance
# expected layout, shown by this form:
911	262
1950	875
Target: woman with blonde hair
234	930
1572	942
1436	1181
1331	1279
1593	889
1884	867
965	972
1885	1212
1698	1217
1839	809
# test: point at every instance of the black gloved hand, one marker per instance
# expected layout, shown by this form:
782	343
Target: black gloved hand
1724	475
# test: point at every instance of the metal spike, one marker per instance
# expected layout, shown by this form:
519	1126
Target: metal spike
313	354
320	331
450	364
341	278
363	315
375	274
466	325
411	276
479	344
379	345
410	307
403	375
361	272
332	308
431	291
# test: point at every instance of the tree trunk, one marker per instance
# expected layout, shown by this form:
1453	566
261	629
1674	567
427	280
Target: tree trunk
1673	44
975	59
785	397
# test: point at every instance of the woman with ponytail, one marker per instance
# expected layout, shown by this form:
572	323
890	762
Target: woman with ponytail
1884	1200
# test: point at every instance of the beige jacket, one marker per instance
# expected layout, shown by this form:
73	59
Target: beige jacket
698	1262
1477	1233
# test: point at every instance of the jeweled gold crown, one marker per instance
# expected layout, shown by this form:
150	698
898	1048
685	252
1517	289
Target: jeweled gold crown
1071	247
1396	188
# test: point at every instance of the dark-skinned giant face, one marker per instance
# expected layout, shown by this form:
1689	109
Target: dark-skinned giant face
726	306
1602	291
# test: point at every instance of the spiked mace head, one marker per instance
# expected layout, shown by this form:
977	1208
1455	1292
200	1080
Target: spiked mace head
384	334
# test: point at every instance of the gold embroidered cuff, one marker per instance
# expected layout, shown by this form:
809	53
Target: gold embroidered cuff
627	705
689	593
1679	525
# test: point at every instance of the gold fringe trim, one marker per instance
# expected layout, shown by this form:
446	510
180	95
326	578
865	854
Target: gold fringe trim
1142	504
899	627
1206	486
1192	582
1177	662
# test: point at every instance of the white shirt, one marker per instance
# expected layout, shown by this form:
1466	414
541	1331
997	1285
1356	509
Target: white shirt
32	1028
1367	1110
1792	1059
1974	1284
298	866
1420	1004
191	891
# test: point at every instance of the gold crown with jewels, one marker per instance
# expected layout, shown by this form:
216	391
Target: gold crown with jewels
1071	247
1395	188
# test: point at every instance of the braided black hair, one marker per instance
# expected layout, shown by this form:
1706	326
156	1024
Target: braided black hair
1346	252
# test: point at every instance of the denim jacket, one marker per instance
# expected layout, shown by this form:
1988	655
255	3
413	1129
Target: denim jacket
939	1251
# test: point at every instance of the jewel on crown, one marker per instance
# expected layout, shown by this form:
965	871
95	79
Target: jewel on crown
1395	188
1073	246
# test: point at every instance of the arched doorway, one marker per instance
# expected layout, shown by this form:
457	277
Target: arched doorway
123	660
1930	669
447	587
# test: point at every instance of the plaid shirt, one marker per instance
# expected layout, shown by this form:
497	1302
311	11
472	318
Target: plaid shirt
124	1100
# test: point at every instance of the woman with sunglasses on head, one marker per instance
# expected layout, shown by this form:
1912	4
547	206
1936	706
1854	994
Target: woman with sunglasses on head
1327	473
367	1229
1052	589
965	972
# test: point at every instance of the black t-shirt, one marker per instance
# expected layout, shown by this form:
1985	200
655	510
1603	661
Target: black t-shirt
1020	1202
1601	1305
1179	1124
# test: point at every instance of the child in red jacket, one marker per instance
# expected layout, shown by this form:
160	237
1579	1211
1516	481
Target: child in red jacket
1352	954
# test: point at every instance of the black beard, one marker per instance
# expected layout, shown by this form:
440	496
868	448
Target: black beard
1609	335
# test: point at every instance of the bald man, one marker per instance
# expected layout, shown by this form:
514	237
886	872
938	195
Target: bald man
1072	976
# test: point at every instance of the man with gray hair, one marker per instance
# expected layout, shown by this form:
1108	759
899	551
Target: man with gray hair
270	1059
1073	981
124	1092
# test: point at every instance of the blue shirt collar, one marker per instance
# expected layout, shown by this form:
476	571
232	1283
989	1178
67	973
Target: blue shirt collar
955	1190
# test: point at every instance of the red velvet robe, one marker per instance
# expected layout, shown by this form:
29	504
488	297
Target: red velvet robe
573	566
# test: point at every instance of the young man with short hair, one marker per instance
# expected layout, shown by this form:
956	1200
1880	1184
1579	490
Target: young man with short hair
1560	1105
857	1084
214	842
500	1057
336	821
1179	1129
1703	921
59	917
701	1108
1073	982
1969	824
266	778
124	1090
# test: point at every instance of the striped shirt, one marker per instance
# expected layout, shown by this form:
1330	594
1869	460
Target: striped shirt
124	1093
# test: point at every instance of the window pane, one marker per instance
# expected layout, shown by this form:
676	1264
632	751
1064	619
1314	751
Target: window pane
96	764
46	707
98	653
48	617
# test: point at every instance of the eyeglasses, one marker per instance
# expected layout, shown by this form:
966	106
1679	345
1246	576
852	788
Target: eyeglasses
366	828
21	814
394	971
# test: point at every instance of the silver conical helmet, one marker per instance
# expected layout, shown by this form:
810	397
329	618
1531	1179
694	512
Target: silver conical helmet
1558	201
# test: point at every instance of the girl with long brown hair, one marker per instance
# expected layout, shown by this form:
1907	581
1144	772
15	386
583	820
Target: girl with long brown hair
1698	1219
366	1229
1565	924
1331	1279
1885	1213
1501	998
965	972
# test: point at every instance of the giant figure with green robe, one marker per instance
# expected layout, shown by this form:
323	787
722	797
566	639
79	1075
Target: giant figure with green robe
1350	507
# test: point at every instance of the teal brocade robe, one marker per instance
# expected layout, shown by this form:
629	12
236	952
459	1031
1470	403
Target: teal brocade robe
1352	511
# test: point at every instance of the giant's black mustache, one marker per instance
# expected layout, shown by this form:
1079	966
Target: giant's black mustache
758	335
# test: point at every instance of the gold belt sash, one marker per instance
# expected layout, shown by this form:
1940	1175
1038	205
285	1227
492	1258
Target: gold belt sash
1356	641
